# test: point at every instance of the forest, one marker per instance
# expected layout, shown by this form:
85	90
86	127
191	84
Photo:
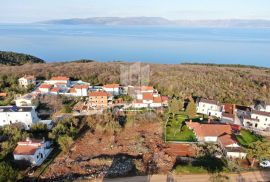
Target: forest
227	84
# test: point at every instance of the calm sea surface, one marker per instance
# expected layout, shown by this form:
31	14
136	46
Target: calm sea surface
139	43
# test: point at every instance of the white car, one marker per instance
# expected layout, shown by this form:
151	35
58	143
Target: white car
265	164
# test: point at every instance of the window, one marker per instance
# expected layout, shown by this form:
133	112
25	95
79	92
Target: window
265	119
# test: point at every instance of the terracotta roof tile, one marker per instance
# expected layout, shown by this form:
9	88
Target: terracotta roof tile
59	78
45	86
147	96
99	94
261	113
111	85
227	140
55	89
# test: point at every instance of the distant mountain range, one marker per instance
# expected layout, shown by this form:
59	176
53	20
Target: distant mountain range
161	21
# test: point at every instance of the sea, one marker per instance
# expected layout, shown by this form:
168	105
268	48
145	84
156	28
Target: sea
152	44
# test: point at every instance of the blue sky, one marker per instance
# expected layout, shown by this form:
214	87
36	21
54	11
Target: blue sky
38	10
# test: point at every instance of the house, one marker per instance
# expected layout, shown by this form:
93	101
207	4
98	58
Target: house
30	99
258	120
229	108
227	118
242	111
80	90
59	81
230	147
262	106
99	99
138	103
209	107
45	88
165	101
148	99
55	90
13	114
113	89
209	132
147	89
33	151
27	80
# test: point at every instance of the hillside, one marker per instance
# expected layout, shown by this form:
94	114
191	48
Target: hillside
12	58
227	84
160	21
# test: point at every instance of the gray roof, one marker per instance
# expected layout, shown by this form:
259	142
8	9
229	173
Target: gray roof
15	109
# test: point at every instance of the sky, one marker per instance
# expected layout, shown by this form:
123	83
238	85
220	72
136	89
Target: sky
25	11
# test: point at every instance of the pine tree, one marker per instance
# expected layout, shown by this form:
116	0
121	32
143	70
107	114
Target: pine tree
174	107
191	109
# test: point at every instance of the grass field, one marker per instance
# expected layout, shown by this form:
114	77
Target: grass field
176	129
189	169
246	137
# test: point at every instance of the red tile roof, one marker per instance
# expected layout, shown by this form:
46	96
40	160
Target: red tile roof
157	100
81	87
72	90
55	89
99	94
203	130
25	150
138	101
111	85
27	147
147	88
227	140
45	85
147	96
60	78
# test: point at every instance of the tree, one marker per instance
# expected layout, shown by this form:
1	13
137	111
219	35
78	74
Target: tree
181	104
65	142
191	109
7	173
174	107
258	150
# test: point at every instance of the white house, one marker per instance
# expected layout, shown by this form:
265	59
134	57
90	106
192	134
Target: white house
33	151
27	80
59	81
80	90
230	147
13	114
113	89
27	100
139	104
209	107
209	132
45	88
258	120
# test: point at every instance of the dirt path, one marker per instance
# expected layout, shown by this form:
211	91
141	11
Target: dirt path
241	177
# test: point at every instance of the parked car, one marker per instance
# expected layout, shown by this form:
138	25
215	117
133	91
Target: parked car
265	164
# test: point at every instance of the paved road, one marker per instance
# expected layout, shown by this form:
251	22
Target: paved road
258	176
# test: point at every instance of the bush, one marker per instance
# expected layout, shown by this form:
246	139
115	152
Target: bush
65	142
7	173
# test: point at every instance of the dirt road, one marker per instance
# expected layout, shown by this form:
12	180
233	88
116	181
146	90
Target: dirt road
241	177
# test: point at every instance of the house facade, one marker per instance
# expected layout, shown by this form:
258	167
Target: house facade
27	80
209	107
230	147
27	100
113	89
13	114
33	151
59	81
99	99
258	120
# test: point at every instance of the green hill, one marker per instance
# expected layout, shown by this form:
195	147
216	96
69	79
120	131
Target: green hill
15	59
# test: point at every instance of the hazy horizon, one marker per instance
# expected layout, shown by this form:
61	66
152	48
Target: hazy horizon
27	11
